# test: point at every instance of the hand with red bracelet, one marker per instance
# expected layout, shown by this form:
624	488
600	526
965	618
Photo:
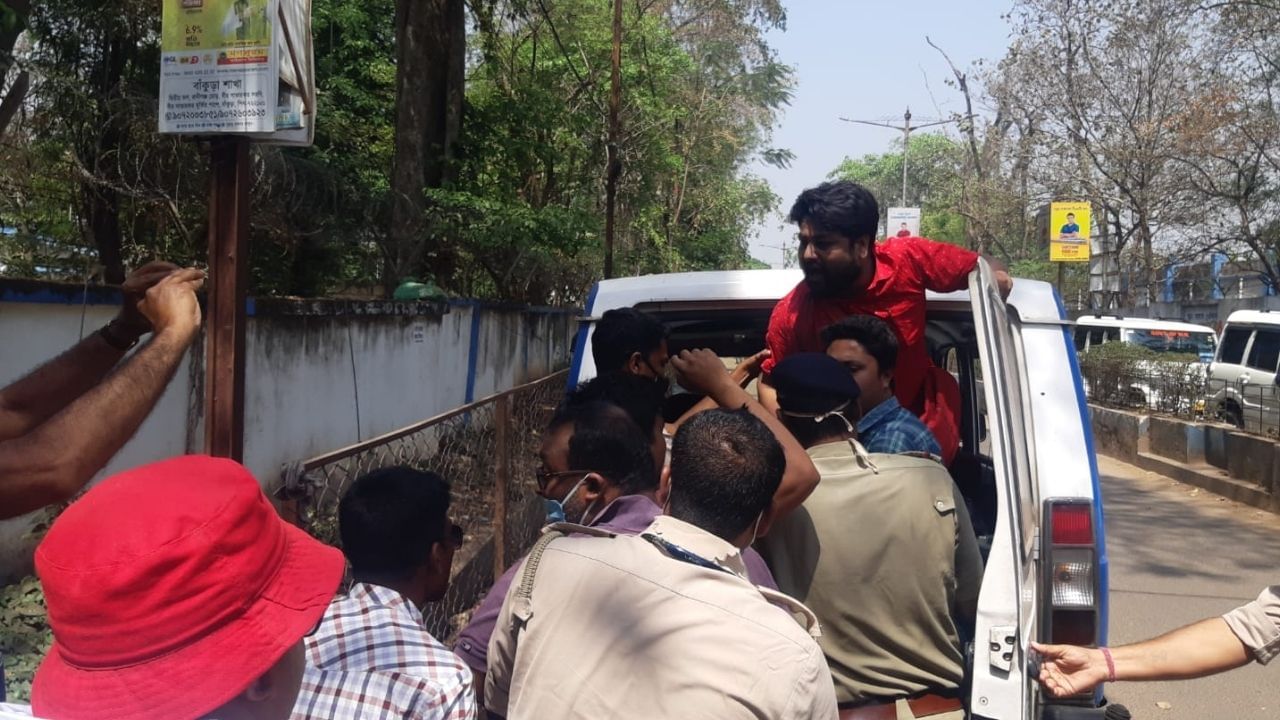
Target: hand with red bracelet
1208	647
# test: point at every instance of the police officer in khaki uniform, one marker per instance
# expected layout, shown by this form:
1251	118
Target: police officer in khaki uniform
1249	633
883	553
664	624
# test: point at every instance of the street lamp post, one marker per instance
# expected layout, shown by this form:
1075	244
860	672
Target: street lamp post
906	128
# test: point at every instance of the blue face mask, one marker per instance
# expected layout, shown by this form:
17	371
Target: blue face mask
555	508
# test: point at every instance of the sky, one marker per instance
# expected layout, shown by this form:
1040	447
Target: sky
866	59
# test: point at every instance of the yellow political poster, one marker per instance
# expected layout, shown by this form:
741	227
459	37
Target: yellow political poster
1069	232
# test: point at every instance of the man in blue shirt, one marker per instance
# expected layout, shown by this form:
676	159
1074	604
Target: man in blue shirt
1070	231
867	346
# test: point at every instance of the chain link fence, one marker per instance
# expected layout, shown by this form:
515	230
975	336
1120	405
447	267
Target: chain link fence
1178	388
486	450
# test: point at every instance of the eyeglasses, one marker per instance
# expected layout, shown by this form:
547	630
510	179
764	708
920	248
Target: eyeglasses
456	535
545	478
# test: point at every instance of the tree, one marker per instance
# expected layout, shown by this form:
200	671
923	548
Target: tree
13	21
1105	85
430	59
935	176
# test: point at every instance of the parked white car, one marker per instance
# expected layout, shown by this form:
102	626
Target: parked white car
1026	462
1242	377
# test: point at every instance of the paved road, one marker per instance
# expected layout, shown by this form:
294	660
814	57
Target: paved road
1179	554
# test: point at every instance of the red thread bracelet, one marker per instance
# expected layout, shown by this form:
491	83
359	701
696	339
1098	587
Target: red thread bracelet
1111	664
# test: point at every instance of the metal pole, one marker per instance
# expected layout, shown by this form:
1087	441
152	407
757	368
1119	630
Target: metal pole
228	271
502	474
906	142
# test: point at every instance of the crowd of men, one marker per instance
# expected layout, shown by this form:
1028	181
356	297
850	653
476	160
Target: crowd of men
800	554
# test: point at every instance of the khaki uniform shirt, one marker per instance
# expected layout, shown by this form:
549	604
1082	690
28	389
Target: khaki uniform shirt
619	629
1258	624
884	554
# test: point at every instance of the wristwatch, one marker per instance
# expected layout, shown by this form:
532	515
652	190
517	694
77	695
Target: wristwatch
121	340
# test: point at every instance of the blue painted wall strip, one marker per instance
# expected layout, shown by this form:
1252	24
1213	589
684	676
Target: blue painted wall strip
473	351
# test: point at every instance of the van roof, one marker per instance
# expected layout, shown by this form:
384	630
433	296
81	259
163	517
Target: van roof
1254	317
1033	298
1138	323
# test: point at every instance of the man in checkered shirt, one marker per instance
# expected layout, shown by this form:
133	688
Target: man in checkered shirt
371	657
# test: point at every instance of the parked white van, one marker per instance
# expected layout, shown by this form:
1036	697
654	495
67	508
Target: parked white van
1243	375
1162	384
1026	462
1162	336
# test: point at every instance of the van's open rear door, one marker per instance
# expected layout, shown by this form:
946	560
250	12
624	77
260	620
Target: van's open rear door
1006	606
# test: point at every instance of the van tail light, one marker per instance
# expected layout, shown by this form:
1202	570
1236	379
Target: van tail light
1070	558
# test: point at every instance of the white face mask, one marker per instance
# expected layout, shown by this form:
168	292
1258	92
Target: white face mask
821	417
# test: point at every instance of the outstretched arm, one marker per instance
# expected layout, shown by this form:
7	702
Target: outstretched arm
1204	648
52	386
52	462
702	371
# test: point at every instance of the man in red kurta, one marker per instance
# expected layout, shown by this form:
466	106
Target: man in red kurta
846	272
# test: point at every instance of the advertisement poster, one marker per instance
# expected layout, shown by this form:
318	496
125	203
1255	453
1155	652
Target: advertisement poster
219	72
1069	232
902	222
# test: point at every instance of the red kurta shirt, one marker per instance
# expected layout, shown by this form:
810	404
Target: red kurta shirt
905	269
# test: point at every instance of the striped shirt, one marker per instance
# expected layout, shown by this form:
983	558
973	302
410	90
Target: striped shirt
372	658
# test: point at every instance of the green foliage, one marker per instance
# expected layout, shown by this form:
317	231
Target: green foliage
84	178
935	172
700	92
26	636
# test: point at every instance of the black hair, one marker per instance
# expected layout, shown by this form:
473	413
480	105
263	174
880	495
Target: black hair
389	519
640	397
725	468
605	440
622	332
842	207
871	333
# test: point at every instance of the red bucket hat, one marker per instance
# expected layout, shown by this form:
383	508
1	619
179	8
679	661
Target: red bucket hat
171	588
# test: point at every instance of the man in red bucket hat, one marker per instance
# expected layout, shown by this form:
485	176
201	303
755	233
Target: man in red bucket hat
175	592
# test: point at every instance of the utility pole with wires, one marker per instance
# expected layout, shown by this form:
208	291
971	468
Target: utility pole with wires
906	127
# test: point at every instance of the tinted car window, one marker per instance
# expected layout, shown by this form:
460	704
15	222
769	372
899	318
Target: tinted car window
1173	341
1233	342
1265	352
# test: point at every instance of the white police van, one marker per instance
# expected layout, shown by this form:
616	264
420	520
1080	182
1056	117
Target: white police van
1026	462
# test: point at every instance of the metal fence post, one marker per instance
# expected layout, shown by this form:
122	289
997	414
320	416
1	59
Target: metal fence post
502	476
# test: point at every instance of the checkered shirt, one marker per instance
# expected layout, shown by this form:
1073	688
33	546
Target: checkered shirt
371	658
891	428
